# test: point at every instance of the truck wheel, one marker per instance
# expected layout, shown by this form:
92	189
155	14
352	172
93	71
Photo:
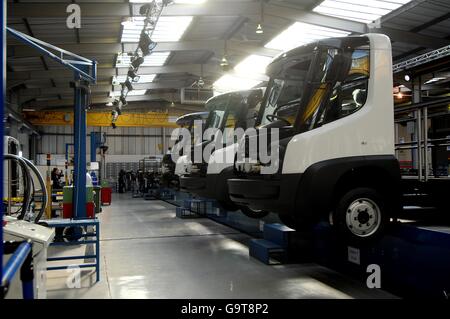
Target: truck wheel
253	213
361	214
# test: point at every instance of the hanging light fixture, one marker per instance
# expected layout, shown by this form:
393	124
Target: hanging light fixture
224	61
224	64
137	62
259	28
133	76
146	44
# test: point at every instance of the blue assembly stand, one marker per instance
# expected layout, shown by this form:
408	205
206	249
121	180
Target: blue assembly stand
414	260
274	245
74	223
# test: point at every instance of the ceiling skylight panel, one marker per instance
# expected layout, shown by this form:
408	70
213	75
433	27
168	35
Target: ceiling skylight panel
230	82
358	8
154	59
253	64
143	78
130	93
302	33
168	29
363	11
388	5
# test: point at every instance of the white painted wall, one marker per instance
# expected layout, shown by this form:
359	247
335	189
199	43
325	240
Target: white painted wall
128	141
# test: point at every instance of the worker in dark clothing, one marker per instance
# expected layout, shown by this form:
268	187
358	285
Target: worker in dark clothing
56	178
122	181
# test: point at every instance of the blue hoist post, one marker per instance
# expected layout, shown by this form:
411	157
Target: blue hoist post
85	73
2	106
96	142
23	252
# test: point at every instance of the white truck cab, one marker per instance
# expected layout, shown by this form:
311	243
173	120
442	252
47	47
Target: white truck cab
332	102
187	121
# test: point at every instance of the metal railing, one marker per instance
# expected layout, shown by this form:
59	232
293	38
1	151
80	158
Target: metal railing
422	143
21	260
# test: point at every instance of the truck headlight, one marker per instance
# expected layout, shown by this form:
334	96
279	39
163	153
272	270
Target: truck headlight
195	168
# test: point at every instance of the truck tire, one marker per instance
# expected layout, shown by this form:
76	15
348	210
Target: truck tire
361	214
257	214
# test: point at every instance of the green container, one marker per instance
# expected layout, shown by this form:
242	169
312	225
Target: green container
104	184
97	198
68	194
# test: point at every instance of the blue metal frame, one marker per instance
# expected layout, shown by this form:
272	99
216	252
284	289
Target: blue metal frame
15	263
2	106
84	70
79	141
63	223
95	143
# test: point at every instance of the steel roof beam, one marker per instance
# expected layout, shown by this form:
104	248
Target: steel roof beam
194	69
222	8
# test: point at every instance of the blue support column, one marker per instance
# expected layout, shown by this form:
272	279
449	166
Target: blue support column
79	191
2	105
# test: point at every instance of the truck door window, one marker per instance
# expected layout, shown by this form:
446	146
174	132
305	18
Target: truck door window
351	94
329	102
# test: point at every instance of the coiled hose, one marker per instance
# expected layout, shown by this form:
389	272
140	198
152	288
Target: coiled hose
25	164
26	181
43	188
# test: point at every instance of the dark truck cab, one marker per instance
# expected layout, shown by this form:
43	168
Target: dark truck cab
229	111
169	168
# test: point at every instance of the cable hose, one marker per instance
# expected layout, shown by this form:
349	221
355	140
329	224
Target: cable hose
27	183
43	188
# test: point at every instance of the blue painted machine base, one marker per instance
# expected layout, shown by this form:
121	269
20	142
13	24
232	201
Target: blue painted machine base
414	261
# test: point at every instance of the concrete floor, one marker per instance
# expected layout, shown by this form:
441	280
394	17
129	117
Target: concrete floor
149	253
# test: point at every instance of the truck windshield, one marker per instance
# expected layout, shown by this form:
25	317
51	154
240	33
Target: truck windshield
285	90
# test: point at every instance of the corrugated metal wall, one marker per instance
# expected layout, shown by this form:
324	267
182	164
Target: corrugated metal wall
121	141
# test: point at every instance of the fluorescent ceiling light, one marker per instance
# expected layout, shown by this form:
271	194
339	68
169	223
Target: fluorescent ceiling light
154	59
302	33
253	64
130	93
143	78
168	29
230	82
434	80
366	11
175	1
